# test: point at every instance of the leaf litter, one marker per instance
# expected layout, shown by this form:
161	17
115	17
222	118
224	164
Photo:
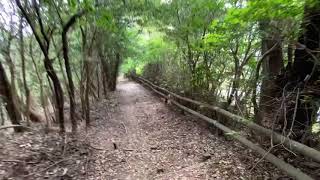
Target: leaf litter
134	135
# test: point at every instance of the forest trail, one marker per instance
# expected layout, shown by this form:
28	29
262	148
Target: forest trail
233	65
137	136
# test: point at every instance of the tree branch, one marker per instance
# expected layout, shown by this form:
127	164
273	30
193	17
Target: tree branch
72	20
37	36
36	7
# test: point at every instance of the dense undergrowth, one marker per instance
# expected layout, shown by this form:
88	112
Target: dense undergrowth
242	56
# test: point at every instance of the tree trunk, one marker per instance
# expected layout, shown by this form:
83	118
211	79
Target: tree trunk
7	93
305	75
113	79
58	93
87	90
98	80
85	103
1	113
44	42
65	48
235	86
64	79
104	80
105	72
271	67
26	89
70	80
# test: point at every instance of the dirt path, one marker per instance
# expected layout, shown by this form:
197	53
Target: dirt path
137	136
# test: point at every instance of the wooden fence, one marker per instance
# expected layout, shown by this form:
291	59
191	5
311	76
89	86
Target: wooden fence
277	138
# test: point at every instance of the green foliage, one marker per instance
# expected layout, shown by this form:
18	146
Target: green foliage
201	47
273	10
146	46
105	19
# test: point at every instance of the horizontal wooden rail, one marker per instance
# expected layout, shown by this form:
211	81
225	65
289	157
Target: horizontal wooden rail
289	169
277	138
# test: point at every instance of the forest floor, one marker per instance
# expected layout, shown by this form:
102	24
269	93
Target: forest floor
134	135
145	139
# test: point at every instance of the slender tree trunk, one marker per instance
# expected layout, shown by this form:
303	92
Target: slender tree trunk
64	78
65	48
82	89
70	80
235	86
26	89
114	75
1	112
290	57
104	84
85	102
106	74
53	98
87	90
58	93
98	80
82	81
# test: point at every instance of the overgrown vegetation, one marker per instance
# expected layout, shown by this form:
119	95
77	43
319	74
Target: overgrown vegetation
60	53
243	55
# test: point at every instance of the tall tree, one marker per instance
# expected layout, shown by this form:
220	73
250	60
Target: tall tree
65	48
43	39
272	65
